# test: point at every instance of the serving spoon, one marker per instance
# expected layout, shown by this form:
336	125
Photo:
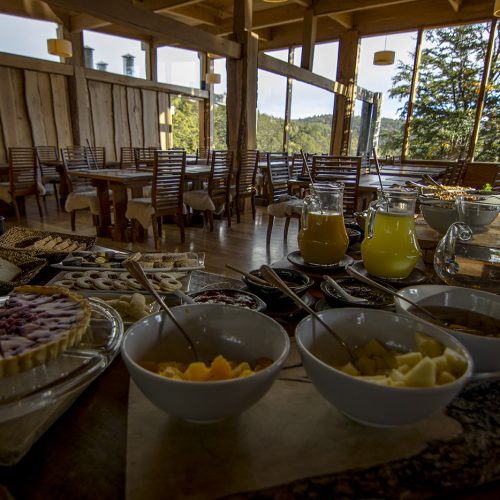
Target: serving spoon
342	292
273	278
135	269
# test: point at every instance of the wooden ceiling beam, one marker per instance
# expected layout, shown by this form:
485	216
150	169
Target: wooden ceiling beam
33	9
197	13
345	19
125	14
328	7
456	4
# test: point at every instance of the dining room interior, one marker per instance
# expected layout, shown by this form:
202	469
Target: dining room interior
180	149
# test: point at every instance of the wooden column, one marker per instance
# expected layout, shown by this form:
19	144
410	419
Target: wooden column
242	82
411	98
78	93
364	132
482	91
151	55
347	70
288	104
375	121
203	107
308	39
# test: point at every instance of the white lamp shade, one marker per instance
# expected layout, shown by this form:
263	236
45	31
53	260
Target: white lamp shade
212	78
496	8
59	47
384	57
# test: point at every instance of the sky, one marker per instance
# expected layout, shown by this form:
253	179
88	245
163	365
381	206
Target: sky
181	67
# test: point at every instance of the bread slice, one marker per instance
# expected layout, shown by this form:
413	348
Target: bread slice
8	270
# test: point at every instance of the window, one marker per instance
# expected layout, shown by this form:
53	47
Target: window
450	76
282	54
220	94
179	67
393	82
271	90
326	59
185	123
34	45
115	54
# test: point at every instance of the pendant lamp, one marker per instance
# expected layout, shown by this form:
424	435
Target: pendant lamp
384	57
496	8
60	47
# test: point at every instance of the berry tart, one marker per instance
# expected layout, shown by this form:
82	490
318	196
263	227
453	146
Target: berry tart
37	323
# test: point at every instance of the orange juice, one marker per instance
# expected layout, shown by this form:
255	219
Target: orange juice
324	239
392	251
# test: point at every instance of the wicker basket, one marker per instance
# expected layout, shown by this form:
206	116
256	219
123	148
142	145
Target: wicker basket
29	264
22	239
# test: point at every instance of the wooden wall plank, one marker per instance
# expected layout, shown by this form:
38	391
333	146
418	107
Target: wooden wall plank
163	112
13	115
62	117
38	93
101	107
134	107
120	118
3	151
150	118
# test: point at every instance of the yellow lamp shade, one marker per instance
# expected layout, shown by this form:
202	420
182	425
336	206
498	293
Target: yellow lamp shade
59	47
212	78
384	57
496	8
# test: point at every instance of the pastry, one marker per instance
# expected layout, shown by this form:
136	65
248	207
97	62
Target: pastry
8	270
37	323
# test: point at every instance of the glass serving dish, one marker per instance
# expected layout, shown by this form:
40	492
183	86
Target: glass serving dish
30	401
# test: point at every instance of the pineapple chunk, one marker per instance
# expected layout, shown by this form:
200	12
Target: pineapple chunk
422	374
350	369
366	366
456	362
445	378
220	369
409	358
198	372
441	363
375	348
428	346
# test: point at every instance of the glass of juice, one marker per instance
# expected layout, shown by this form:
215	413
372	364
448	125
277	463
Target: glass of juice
390	249
323	237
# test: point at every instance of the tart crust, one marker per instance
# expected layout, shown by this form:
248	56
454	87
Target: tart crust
45	352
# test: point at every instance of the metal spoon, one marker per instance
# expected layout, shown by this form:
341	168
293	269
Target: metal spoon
272	277
137	272
343	293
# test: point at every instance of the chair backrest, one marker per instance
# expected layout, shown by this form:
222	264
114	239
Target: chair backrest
203	155
278	174
47	154
345	169
127	158
220	174
168	180
96	156
298	168
75	158
23	171
496	180
144	158
246	172
455	173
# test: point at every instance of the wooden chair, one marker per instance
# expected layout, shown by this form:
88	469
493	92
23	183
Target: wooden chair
282	204
127	158
345	169
144	158
245	180
203	156
455	173
166	195
96	156
217	196
81	194
23	180
299	170
48	156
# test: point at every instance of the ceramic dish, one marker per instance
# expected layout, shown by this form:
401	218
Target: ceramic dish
230	297
376	298
416	277
297	260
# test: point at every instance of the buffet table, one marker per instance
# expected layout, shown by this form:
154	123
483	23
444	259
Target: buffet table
111	444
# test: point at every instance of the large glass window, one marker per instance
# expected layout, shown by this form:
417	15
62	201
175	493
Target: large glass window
281	54
34	45
393	82
488	144
311	119
179	67
114	54
220	94
185	123
271	91
326	59
450	76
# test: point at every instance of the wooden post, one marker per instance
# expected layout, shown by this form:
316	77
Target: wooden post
482	91
242	83
411	98
203	108
288	103
375	121
347	70
364	131
151	54
308	39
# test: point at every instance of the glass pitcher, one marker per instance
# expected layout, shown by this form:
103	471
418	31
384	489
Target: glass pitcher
469	253
323	237
390	249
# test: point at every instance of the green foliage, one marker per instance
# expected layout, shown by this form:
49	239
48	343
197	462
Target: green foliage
185	124
220	127
444	110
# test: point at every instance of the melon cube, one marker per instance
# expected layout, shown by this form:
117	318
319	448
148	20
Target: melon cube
456	362
445	378
350	369
429	346
422	374
197	372
409	358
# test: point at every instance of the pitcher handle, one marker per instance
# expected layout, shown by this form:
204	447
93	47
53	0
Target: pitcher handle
370	219
445	251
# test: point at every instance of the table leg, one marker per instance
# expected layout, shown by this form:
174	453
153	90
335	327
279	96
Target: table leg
104	207
119	208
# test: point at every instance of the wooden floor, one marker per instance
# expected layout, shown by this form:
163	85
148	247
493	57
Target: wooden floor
243	245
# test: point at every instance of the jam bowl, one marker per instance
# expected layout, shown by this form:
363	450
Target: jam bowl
229	296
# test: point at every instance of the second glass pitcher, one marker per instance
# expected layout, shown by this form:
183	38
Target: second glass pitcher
323	237
390	248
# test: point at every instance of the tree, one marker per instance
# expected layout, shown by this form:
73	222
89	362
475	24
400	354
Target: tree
450	76
185	126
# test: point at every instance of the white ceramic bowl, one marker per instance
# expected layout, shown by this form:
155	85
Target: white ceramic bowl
236	333
485	351
366	402
440	218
